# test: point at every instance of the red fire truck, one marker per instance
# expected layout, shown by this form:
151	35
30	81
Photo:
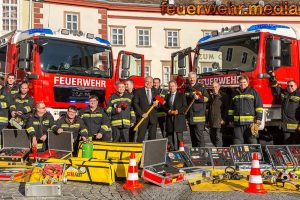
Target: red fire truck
65	67
225	54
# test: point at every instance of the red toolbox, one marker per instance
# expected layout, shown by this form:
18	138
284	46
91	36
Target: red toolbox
59	146
155	169
16	145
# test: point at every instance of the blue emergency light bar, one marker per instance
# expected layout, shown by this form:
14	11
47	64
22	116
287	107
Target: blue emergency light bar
102	40
205	38
40	30
266	26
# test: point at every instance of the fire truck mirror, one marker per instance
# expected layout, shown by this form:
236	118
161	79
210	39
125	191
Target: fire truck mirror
33	76
125	74
24	65
181	61
182	72
24	53
275	53
125	61
24	56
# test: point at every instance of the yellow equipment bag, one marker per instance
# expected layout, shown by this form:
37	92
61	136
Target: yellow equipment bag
87	170
115	150
15	173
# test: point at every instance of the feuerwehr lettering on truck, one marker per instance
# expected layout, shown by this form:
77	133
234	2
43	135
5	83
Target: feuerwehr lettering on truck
229	80
79	82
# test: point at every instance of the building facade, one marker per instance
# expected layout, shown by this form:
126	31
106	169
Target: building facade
132	25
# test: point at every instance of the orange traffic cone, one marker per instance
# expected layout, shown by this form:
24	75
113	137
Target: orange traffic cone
181	146
255	180
132	181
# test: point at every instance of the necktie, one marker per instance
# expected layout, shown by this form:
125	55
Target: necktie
149	96
172	100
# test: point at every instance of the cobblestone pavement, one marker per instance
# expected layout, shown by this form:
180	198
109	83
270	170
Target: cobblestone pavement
178	191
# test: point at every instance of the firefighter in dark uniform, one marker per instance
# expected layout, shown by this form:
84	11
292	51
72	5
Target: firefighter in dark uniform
72	123
129	86
196	114
96	120
121	112
246	109
39	124
11	88
290	109
21	107
161	114
4	108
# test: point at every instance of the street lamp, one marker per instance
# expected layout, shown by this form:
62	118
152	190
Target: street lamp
30	11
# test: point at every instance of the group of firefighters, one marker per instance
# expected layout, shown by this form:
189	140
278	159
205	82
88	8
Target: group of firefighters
195	106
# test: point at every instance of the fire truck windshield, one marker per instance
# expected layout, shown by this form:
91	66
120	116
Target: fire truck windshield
74	58
230	54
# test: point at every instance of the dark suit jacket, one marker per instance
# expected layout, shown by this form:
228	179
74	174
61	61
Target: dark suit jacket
176	123
141	104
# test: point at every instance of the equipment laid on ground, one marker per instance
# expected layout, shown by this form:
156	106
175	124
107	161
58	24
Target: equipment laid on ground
59	146
114	150
221	156
280	176
15	174
115	153
154	162
88	170
158	99
230	174
46	180
211	156
181	160
242	156
295	152
280	156
201	156
16	145
87	149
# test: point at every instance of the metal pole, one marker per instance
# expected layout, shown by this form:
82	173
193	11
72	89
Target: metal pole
30	14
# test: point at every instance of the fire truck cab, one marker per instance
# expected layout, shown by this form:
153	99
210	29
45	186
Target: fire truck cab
225	54
65	67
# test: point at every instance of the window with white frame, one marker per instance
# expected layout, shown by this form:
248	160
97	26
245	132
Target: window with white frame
72	21
118	35
172	38
207	69
147	71
9	15
166	75
144	37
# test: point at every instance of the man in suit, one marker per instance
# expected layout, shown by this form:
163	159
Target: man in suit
143	99
175	107
217	113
